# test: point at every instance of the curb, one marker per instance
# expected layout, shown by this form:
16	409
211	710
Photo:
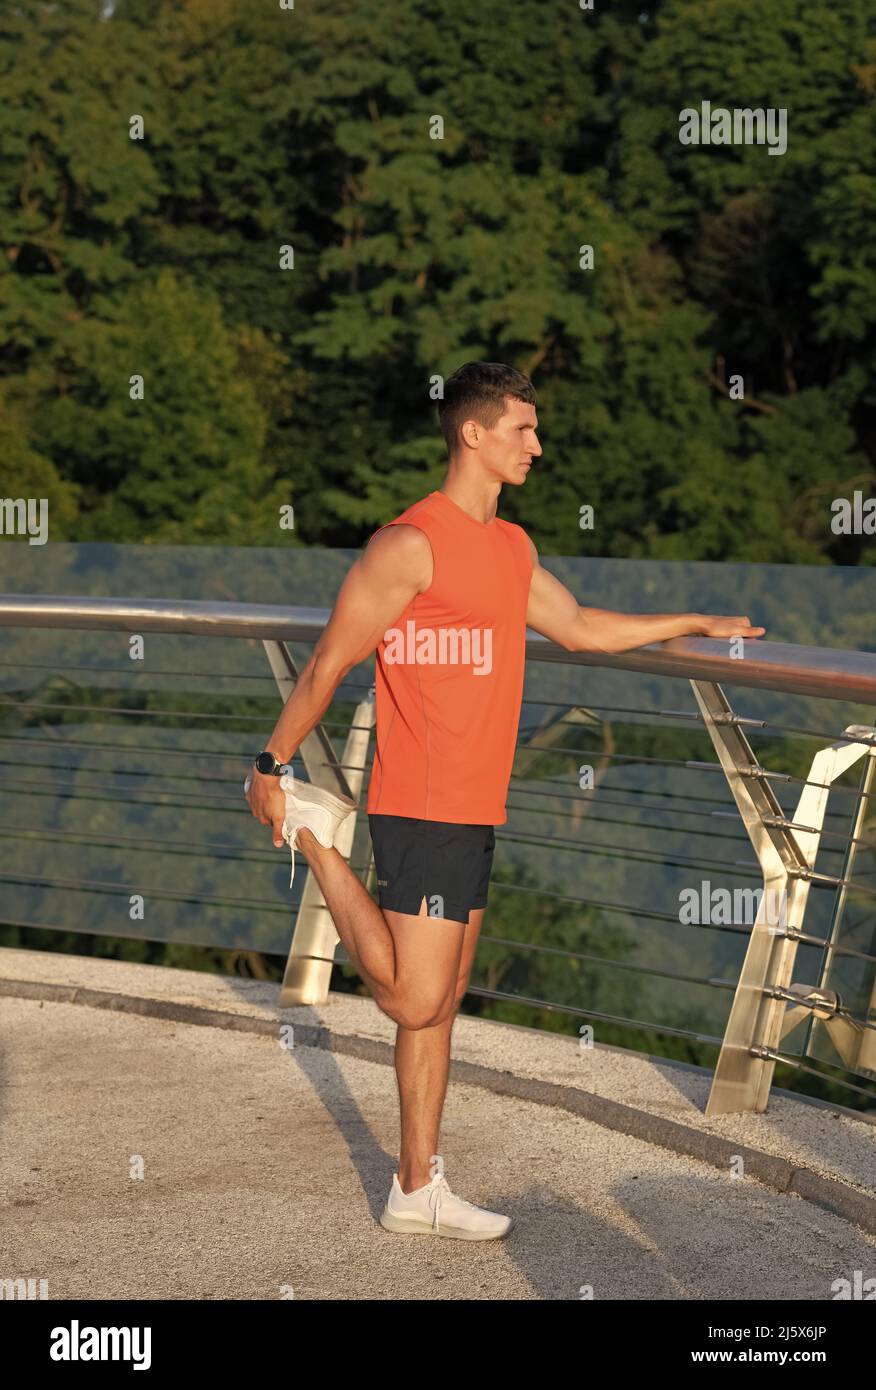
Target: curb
777	1173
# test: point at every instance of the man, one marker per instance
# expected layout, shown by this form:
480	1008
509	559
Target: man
443	594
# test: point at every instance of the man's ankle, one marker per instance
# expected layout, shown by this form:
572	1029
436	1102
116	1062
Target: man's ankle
306	841
412	1181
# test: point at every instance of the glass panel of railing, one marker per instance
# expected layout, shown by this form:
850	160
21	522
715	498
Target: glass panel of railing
121	764
590	884
122	806
627	880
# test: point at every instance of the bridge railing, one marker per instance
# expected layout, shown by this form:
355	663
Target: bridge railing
689	850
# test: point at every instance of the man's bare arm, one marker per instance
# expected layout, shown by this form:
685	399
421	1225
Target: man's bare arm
395	566
555	612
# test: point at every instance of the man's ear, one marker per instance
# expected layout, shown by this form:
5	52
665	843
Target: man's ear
469	432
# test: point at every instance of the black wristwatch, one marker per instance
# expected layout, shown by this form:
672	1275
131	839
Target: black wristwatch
269	765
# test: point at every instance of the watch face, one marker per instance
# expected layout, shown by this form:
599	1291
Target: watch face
265	762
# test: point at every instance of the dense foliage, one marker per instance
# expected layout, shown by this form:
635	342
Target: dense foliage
311	128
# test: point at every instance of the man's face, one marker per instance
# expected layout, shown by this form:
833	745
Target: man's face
507	450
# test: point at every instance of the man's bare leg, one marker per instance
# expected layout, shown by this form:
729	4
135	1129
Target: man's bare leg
410	964
358	920
422	1066
377	944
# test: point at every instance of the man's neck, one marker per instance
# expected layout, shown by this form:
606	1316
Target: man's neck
477	496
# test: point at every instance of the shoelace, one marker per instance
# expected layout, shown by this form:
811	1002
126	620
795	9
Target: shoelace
440	1186
291	840
291	843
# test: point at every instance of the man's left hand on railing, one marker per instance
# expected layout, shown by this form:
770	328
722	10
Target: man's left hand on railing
554	611
713	625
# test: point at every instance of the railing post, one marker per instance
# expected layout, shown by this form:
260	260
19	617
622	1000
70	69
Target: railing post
856	1046
786	854
311	954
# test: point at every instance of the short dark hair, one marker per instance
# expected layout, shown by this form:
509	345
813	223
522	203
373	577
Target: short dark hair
477	391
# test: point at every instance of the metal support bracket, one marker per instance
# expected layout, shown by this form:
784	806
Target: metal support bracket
314	940
759	1013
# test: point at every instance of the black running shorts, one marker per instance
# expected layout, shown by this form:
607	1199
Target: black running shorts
446	863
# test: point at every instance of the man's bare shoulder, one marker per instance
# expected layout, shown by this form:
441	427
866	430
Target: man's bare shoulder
399	550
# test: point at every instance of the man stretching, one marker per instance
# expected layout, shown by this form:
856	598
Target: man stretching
444	595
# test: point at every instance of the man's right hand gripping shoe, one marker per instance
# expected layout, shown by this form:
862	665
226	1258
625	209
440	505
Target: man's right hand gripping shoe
308	806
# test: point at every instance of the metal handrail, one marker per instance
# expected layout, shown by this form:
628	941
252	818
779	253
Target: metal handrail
819	671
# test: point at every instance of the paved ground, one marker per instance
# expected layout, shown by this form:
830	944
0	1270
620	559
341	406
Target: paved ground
264	1169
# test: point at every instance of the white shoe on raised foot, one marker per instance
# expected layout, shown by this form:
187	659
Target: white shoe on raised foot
310	807
434	1210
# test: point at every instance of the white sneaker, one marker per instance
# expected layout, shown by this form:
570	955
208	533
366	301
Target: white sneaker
321	812
435	1210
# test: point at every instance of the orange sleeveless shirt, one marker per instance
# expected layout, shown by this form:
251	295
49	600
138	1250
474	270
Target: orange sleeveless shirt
449	678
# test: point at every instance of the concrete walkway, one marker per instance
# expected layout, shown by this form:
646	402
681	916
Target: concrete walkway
265	1168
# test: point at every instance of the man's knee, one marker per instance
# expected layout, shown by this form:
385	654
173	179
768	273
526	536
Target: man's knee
450	1007
414	1022
428	1014
416	1018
